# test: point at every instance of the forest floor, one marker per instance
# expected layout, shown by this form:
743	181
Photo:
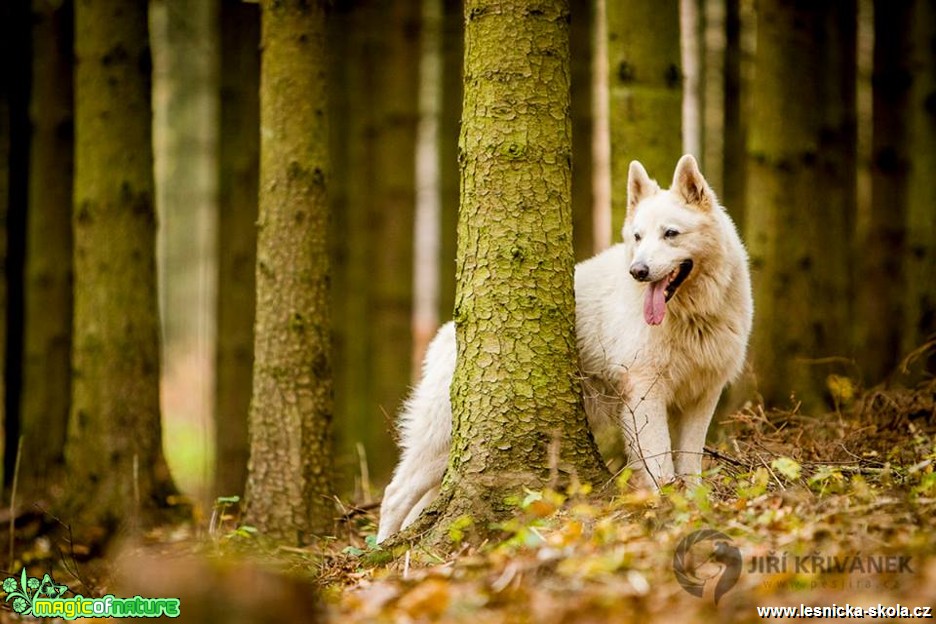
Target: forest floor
813	510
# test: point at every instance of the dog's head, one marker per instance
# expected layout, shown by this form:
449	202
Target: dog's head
668	231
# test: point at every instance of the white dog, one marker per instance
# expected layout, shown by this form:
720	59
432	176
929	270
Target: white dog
662	325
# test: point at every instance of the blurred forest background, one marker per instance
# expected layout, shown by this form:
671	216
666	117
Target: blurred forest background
814	122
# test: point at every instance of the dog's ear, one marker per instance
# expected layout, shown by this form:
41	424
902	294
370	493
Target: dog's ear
689	184
639	185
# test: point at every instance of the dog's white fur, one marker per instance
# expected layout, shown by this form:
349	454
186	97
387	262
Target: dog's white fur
659	383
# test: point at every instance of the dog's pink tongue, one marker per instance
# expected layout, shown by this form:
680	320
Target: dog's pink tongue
655	303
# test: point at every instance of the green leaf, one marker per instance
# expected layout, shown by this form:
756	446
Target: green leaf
789	468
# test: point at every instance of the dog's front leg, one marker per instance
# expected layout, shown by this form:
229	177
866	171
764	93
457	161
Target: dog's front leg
643	421
690	428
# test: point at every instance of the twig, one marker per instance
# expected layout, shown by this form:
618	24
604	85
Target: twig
721	456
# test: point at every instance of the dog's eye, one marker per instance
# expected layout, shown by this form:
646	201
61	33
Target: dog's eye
636	237
670	233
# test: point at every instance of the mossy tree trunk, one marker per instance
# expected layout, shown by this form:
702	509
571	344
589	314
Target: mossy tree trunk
920	317
289	484
114	449
645	89
881	298
793	207
238	161
48	282
517	407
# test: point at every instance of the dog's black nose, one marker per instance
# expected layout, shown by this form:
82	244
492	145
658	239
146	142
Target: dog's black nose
640	271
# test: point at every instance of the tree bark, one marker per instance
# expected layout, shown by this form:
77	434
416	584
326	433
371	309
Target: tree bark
645	90
114	450
289	484
238	161
48	282
517	407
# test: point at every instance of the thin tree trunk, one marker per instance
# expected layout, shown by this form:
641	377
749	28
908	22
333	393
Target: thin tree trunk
357	423
646	92
16	41
427	220
452	58
733	133
48	288
114	450
713	94
881	299
390	215
516	400
692	58
6	81
289	484
238	154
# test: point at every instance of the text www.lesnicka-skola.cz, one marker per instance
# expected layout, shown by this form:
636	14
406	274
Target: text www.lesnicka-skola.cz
846	611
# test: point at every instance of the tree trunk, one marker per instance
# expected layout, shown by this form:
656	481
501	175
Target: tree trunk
517	407
48	288
428	216
6	82
289	482
794	201
882	297
15	39
733	128
646	93
238	154
376	224
350	294
391	213
921	218
114	450
453	38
